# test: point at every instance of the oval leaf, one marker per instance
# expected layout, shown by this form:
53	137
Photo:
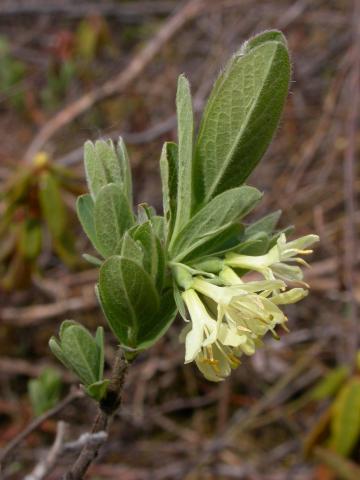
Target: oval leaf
240	118
185	153
113	217
81	351
104	164
128	298
214	218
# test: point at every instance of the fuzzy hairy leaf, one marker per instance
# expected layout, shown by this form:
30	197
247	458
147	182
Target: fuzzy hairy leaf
105	163
124	163
81	351
154	256
113	216
219	242
145	212
85	211
99	340
224	210
169	179
185	153
241	116
158	224
128	298
98	389
268	35
131	249
256	244
156	326
265	224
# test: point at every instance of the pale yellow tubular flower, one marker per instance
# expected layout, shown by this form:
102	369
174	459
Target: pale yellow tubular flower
203	330
203	344
275	263
294	295
291	296
219	366
245	313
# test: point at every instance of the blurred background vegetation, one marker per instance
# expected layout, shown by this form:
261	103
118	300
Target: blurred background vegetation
72	71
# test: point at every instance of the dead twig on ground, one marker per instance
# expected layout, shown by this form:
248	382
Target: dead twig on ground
36	314
127	11
45	466
8	450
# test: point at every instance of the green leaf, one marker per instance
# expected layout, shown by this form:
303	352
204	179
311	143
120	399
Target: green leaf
345	425
185	153
52	204
169	179
180	302
257	244
222	240
156	326
240	118
99	340
268	35
56	350
128	298
145	212
154	256
113	217
131	249
265	224
125	169
106	164
158	224
64	325
330	384
85	210
98	389
80	350
218	215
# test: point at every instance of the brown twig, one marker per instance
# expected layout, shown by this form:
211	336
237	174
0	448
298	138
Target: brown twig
10	366
45	466
73	395
36	314
117	84
126	10
107	408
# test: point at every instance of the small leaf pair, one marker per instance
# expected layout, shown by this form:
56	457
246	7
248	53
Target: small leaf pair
106	213
82	354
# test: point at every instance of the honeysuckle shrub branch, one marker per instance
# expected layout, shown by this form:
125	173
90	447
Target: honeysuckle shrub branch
227	278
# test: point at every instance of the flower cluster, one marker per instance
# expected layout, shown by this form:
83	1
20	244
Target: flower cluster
229	316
